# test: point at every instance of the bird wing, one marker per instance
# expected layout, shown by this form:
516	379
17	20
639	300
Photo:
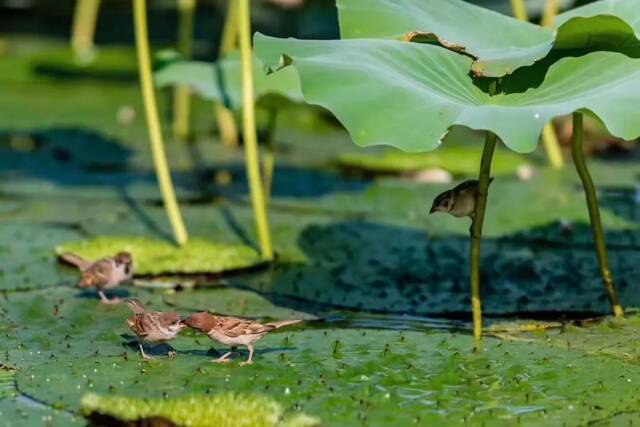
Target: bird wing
75	260
97	275
139	324
166	319
234	327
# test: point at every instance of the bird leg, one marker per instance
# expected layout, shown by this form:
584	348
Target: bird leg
249	361
171	354
144	356
105	300
224	358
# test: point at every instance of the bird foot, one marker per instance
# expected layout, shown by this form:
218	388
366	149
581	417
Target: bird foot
248	362
220	360
171	354
111	301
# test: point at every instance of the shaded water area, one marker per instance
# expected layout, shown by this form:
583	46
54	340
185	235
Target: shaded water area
381	284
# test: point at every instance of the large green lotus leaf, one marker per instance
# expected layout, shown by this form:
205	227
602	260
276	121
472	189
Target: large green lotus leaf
499	44
421	91
26	261
233	302
63	321
6	382
154	257
222	81
23	412
360	374
224	409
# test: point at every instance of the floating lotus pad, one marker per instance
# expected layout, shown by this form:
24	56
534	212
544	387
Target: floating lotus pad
456	160
26	261
363	373
233	302
154	257
223	409
18	411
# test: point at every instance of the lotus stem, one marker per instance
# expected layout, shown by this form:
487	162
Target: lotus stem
551	9
549	138
224	117
552	146
519	10
268	158
594	213
250	133
476	225
84	26
153	123
182	94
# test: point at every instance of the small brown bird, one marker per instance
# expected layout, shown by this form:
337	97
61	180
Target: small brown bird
153	326
233	331
106	273
459	201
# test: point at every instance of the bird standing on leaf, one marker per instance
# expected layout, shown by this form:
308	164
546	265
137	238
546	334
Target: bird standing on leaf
105	273
460	201
153	326
233	331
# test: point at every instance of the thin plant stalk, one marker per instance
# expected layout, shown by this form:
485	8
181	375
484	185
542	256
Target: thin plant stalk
594	213
83	28
549	138
224	117
551	9
153	123
182	94
476	226
249	130
268	158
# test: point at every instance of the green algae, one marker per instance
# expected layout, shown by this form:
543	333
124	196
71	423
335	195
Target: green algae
226	409
154	257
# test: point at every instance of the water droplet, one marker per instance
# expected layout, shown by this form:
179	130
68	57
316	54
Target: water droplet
536	115
387	395
287	391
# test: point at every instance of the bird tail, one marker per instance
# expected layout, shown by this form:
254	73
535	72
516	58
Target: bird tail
135	305
75	260
282	323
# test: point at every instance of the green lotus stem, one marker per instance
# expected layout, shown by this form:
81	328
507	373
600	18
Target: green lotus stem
551	9
476	225
594	213
153	123
224	117
519	10
182	94
84	26
268	158
549	138
552	146
250	133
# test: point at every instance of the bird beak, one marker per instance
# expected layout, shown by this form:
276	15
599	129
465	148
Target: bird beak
432	210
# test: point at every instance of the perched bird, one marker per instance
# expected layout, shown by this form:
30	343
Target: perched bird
106	273
459	201
153	326
233	331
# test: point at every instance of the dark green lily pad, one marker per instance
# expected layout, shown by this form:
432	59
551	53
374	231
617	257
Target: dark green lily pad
26	261
232	302
62	322
357	375
199	411
24	412
6	382
153	257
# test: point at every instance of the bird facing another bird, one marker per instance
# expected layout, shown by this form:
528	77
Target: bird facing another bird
159	327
